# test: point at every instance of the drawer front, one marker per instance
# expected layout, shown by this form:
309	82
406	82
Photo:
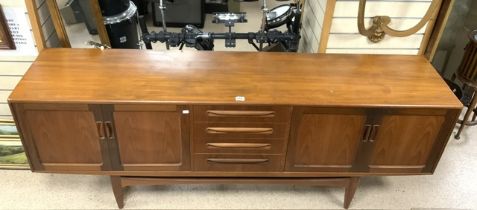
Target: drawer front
247	146
239	163
278	114
240	130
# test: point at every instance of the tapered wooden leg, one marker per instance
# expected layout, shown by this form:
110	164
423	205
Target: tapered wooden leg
350	190
118	190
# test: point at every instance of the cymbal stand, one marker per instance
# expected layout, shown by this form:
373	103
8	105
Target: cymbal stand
163	16
265	11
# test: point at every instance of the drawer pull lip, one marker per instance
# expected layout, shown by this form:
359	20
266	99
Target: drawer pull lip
100	129
217	130
374	132
236	161
239	145
226	113
109	129
367	133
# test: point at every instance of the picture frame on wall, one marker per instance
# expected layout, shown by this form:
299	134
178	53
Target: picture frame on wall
12	154
6	39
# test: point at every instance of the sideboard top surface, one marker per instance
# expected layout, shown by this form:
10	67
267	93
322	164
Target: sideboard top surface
126	76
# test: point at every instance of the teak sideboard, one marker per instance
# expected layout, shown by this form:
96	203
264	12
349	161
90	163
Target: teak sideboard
155	118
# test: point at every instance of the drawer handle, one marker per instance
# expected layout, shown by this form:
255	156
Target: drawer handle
265	131
374	132
236	161
109	129
223	113
367	132
239	145
100	128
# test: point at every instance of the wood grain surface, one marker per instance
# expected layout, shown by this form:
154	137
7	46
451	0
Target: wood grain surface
325	142
151	140
65	138
132	76
153	135
405	141
238	163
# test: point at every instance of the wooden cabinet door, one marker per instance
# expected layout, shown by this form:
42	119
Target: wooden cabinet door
151	137
61	137
324	139
402	143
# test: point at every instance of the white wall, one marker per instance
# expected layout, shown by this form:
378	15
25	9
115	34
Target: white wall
312	22
14	63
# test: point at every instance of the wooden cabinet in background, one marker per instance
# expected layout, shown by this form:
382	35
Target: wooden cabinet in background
155	118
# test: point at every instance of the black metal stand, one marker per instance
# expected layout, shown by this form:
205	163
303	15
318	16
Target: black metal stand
467	74
471	108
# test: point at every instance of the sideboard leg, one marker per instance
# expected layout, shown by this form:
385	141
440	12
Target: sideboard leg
118	190
350	190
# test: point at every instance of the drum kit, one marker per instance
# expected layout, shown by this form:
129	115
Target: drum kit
281	15
122	20
268	38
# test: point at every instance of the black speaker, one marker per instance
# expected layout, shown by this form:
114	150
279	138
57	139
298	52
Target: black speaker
180	13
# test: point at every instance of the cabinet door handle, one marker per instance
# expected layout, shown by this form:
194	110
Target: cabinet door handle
374	132
265	131
236	161
224	113
100	128
109	129
239	145
367	132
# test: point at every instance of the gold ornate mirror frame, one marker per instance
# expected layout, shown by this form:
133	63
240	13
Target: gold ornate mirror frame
55	15
380	28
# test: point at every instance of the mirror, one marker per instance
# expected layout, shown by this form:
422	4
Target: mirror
80	20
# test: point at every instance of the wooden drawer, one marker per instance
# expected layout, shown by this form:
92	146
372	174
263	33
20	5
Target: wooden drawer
248	146
239	163
240	130
276	114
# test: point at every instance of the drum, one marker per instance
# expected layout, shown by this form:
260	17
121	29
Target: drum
279	16
122	28
113	7
467	71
